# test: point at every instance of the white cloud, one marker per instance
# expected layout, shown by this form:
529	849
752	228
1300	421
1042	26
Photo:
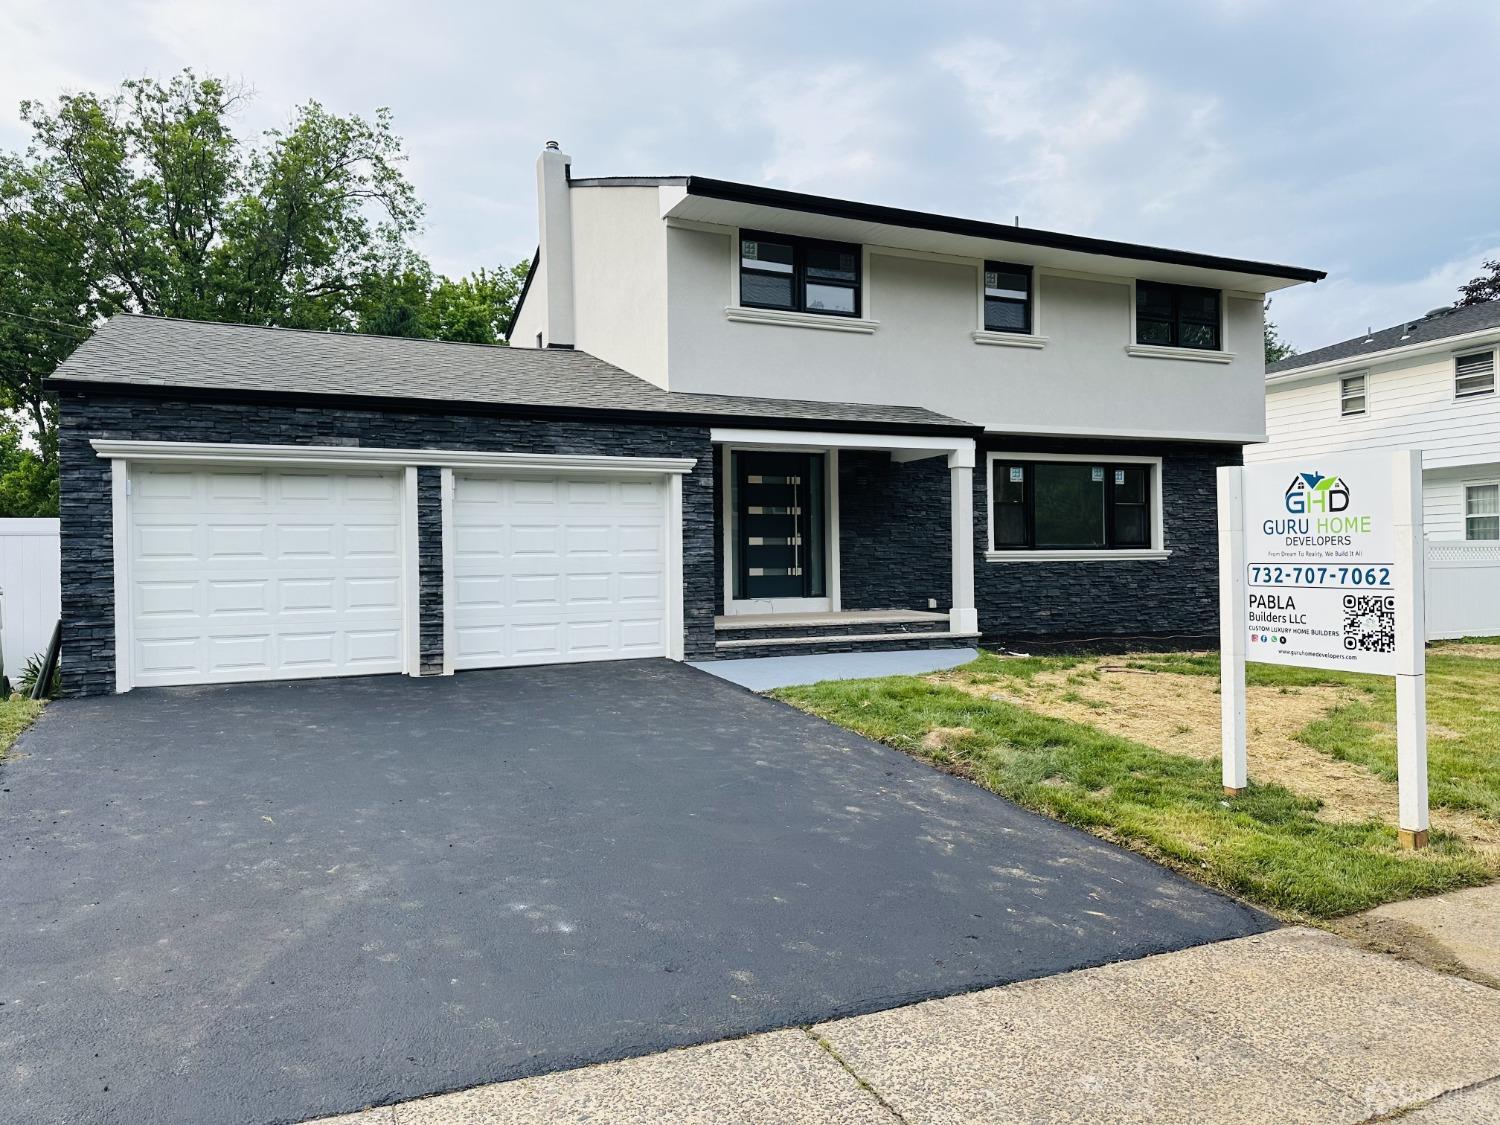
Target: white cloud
1081	148
837	129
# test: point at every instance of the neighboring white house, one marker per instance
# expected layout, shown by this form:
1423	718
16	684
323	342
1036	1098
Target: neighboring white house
1426	384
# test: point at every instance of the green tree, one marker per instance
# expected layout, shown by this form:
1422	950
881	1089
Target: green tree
403	298
145	200
476	309
1485	287
1277	349
28	481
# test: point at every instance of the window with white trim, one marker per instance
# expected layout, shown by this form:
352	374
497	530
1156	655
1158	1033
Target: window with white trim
1007	298
1474	374
778	271
1177	316
1352	394
1071	505
1482	511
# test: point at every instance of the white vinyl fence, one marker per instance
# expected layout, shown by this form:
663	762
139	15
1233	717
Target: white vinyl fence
1463	589
30	589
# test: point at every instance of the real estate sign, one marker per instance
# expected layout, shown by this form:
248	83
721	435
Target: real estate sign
1320	565
1322	574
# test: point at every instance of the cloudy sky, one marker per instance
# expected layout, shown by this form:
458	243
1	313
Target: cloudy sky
1359	138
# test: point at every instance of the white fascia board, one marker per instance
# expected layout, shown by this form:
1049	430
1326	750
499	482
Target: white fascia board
803	439
1352	363
1105	432
232	453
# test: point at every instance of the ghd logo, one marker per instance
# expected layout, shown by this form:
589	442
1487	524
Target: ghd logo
1315	493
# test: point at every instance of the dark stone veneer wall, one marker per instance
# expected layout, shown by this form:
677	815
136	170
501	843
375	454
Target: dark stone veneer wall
895	533
1172	598
894	550
87	538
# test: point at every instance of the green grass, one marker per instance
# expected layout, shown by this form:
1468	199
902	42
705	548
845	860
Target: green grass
1266	846
15	716
1463	720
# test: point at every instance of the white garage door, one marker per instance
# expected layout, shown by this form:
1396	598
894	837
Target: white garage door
263	574
552	569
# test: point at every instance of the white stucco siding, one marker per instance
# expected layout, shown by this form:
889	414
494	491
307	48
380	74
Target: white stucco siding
531	319
1408	406
922	352
620	278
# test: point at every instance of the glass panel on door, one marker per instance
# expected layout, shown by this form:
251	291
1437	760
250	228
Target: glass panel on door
779	525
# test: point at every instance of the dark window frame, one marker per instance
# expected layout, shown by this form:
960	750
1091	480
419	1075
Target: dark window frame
800	280
1027	305
1028	503
1176	319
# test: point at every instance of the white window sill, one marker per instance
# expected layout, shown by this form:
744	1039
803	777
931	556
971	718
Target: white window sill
1192	355
741	315
1009	339
1073	556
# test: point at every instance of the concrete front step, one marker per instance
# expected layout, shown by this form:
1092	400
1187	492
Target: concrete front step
770	632
859	642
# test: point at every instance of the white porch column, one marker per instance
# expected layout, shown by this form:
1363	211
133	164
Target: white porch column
963	617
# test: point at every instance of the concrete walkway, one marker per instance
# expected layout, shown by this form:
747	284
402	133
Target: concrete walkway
764	673
1291	1026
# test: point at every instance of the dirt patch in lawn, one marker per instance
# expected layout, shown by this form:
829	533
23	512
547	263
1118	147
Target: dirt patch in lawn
1478	651
1180	715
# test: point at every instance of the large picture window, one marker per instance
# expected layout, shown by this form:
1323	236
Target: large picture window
799	274
1071	505
1177	316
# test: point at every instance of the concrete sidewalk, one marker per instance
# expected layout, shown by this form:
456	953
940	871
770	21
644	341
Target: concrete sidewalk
1294	1025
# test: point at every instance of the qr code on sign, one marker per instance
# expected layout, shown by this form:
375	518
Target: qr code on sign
1370	622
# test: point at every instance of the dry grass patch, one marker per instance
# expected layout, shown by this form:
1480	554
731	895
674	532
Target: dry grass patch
1179	713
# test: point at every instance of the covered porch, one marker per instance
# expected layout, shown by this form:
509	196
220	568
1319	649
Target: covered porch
835	542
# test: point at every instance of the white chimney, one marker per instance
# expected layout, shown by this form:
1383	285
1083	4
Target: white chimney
556	214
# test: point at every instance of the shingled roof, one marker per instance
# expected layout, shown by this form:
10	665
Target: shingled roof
1440	324
144	353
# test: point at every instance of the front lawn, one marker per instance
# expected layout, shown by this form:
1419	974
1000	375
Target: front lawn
15	716
1126	747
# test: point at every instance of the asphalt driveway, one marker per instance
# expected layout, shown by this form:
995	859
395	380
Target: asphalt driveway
261	903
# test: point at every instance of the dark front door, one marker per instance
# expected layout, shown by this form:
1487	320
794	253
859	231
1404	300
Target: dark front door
778	525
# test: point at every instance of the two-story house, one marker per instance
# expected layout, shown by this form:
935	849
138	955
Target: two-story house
732	421
1425	384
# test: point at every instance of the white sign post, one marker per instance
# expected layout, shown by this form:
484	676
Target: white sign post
1323	569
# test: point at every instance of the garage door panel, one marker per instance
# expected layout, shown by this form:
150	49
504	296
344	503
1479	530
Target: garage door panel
239	653
305	541
572	568
264	574
166	541
167	600
373	646
362	595
309	650
246	596
238	542
237	486
372	541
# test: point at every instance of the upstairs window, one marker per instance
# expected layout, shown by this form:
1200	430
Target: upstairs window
799	275
1352	394
1071	505
1177	316
1474	374
1007	298
1482	511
